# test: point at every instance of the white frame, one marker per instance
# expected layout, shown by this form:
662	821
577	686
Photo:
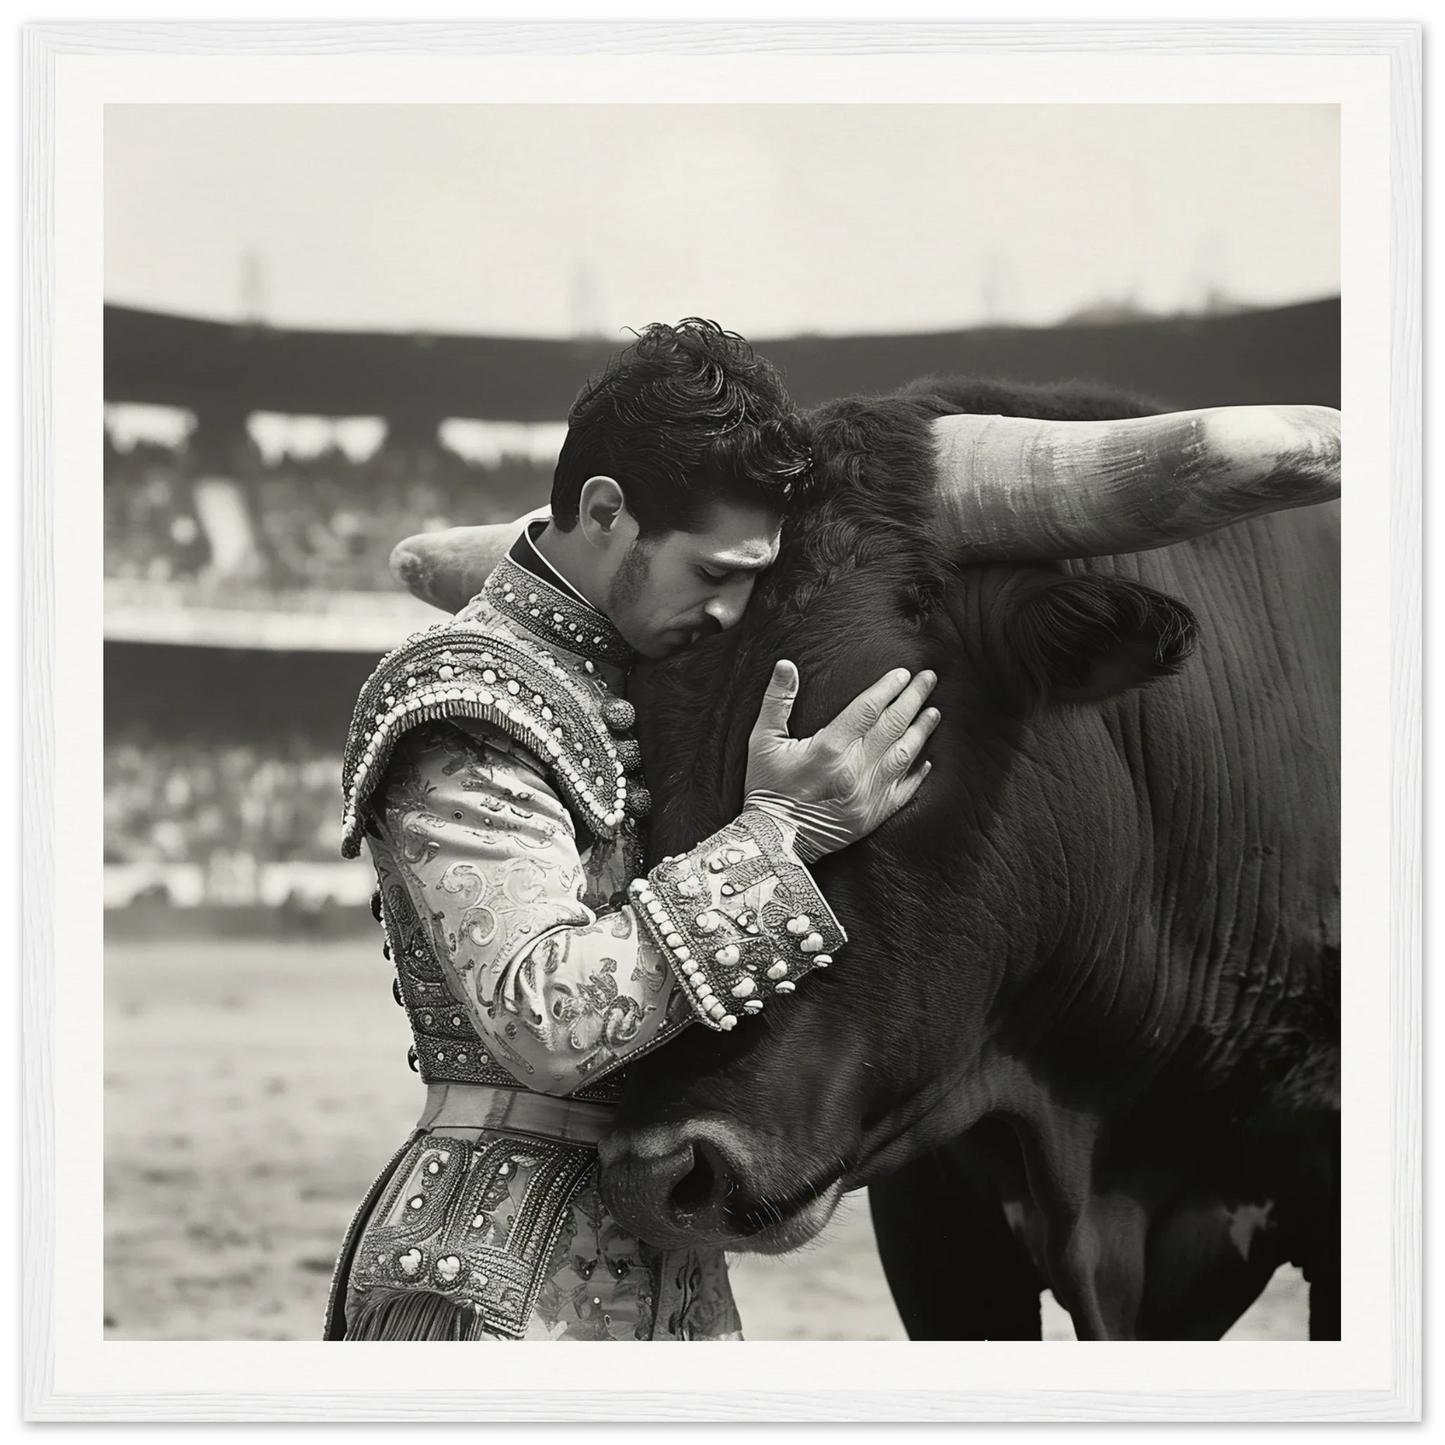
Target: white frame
72	1380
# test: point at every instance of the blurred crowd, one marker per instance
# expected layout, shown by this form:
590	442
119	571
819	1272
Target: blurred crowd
151	527
252	515
325	522
180	802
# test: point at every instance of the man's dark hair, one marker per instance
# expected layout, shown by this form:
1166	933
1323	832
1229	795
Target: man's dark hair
686	416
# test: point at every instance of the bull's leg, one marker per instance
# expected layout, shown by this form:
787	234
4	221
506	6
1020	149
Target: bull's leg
1323	1273
1321	1231
952	1262
1209	1257
1100	1270
1093	1250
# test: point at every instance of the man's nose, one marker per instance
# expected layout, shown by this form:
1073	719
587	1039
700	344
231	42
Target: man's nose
724	613
727	608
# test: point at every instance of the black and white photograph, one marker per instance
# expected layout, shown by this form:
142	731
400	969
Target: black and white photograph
1144	910
721	722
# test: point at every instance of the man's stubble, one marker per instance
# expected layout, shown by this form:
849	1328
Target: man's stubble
630	580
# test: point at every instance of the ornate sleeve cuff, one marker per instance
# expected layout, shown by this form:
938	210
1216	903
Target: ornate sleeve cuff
738	919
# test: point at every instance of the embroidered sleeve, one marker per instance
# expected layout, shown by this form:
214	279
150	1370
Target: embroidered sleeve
488	855
739	919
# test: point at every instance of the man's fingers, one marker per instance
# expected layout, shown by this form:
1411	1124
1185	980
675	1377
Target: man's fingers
910	785
904	753
778	699
903	710
914	781
862	714
903	791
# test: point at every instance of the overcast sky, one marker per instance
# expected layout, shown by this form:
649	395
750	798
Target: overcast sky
555	220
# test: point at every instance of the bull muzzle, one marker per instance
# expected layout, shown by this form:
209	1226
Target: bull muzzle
699	1184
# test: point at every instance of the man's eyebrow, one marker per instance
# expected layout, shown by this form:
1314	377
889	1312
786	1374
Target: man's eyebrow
727	562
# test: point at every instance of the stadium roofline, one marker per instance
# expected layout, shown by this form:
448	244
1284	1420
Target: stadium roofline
1290	354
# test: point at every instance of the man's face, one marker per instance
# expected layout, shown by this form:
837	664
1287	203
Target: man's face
669	591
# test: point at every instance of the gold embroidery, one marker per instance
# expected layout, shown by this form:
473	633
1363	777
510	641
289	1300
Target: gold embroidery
474	1224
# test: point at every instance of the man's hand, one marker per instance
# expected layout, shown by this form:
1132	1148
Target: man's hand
840	784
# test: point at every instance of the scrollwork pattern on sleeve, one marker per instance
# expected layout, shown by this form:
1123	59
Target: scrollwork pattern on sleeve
488	856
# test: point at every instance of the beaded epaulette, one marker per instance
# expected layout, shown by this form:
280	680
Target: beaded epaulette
465	668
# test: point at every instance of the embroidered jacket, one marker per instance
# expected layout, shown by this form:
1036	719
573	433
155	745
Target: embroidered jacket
491	772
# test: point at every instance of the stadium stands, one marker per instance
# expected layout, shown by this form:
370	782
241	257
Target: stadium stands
323	523
202	825
151	527
171	801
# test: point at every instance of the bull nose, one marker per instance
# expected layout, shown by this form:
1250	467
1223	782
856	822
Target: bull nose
670	1187
704	1189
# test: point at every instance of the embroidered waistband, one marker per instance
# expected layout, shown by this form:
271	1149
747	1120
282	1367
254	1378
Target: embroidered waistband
478	1106
473	1222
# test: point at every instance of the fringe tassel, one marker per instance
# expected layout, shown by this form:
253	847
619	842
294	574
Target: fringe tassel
415	1315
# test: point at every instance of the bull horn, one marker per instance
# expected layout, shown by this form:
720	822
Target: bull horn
448	568
1023	490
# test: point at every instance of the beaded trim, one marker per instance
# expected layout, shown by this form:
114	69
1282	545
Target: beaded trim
739	919
474	1223
334	1324
466	669
554	615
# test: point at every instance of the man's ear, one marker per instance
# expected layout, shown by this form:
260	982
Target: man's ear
1082	639
601	508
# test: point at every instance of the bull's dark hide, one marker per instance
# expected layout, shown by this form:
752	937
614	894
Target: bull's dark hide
1085	1034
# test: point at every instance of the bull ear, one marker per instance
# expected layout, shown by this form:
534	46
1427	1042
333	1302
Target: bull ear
1082	639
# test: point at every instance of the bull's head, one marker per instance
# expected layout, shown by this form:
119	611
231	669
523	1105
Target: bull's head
747	1139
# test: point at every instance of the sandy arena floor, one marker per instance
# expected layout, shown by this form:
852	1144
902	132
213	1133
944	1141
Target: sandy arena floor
252	1090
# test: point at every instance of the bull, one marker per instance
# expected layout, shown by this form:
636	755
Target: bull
1085	1034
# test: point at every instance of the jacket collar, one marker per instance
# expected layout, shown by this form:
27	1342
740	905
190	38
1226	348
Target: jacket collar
526	588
